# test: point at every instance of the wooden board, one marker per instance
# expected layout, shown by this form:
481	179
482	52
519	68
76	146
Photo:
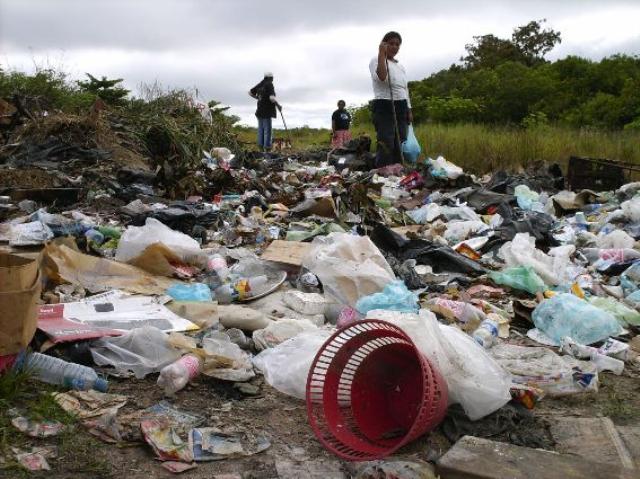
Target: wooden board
593	438
287	252
476	458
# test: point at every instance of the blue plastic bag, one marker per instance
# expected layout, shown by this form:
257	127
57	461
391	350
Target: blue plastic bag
567	315
190	292
411	147
394	297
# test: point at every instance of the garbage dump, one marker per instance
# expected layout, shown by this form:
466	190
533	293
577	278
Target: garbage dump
362	309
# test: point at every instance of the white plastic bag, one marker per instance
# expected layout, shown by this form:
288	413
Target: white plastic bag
425	214
219	346
460	230
617	239
474	379
286	366
349	266
29	234
631	209
137	238
441	168
141	351
279	331
555	268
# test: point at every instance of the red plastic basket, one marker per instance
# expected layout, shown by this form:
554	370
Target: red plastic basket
370	392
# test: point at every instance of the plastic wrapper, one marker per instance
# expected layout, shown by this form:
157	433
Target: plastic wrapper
543	369
394	297
286	366
29	234
523	278
348	266
142	351
474	379
567	315
225	360
456	310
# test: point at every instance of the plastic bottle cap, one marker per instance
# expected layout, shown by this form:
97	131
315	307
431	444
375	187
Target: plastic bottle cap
101	385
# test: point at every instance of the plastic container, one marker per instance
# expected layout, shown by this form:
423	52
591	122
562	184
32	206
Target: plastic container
241	289
58	371
176	375
370	391
486	334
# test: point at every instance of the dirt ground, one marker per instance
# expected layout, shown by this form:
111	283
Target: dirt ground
294	451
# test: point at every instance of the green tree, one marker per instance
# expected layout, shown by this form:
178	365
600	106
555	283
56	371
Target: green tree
106	90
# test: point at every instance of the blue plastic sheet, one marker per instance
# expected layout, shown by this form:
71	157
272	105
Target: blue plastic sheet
190	292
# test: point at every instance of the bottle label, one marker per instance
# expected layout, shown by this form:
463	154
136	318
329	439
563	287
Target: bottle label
191	364
490	326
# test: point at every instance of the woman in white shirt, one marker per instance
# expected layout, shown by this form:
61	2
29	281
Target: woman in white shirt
388	148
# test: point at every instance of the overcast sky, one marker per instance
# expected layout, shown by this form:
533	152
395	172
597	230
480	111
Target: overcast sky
319	51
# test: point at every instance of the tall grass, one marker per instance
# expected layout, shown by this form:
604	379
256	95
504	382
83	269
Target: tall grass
483	148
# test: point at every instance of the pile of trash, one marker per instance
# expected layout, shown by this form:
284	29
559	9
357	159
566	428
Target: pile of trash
508	289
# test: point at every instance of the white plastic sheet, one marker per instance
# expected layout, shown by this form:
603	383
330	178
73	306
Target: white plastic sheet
349	266
474	379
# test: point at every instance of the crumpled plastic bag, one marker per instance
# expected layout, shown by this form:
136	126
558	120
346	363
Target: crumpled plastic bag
441	168
348	266
29	234
425	214
520	277
411	147
142	351
394	297
279	331
567	315
136	239
474	379
286	366
460	230
554	268
543	369
631	209
617	239
624	314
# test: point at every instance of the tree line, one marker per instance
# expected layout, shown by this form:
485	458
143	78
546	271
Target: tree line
509	81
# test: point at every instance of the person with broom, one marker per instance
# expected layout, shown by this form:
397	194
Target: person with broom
265	93
391	106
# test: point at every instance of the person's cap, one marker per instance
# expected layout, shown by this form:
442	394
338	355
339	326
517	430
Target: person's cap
268	75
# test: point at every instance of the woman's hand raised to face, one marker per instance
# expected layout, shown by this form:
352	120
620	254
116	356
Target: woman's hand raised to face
382	48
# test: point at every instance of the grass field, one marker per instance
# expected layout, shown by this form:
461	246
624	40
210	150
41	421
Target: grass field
482	148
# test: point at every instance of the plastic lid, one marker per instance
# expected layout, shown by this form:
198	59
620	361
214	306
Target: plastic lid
101	385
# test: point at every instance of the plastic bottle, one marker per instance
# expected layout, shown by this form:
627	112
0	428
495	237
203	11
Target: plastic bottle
218	264
176	375
58	371
486	334
243	288
612	255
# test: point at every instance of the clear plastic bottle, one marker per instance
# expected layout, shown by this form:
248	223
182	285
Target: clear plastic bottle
176	375
218	264
486	334
243	288
58	371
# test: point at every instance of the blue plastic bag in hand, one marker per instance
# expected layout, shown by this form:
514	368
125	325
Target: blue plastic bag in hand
411	147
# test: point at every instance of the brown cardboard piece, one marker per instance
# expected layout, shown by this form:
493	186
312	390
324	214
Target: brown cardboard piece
20	286
287	252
